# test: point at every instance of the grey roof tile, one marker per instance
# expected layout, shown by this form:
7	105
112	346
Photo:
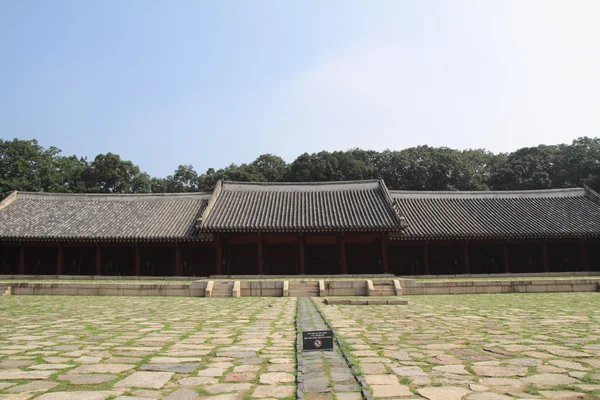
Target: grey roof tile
301	207
560	213
101	217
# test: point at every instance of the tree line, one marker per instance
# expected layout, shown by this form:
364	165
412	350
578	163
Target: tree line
26	165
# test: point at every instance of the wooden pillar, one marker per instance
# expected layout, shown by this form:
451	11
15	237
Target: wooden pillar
301	255
506	258
59	260
467	260
259	256
22	260
384	255
342	248
545	256
426	259
177	260
584	256
219	257
138	269
98	260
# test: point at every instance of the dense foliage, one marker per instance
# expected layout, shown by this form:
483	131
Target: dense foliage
25	165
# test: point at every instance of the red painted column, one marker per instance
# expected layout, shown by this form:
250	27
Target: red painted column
426	259
259	256
384	255
301	255
138	269
584	256
59	260
98	260
177	260
342	247
219	257
467	260
545	256
22	260
506	259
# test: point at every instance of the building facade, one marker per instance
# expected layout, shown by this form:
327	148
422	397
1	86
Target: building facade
328	228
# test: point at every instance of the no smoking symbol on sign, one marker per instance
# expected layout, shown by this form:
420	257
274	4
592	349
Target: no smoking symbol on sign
317	340
318	344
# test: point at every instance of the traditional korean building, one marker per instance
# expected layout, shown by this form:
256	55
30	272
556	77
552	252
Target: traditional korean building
300	228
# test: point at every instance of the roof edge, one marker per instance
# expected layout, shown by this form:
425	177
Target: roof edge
591	194
301	183
211	204
392	204
109	196
563	192
12	196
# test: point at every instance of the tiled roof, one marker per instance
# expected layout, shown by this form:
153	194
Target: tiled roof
301	207
560	213
95	217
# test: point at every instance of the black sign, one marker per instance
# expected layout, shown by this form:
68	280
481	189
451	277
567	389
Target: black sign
317	340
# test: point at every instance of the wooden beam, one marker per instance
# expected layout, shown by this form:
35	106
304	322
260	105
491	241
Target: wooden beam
301	255
342	249
545	256
330	239
22	260
138	269
584	256
506	258
467	260
384	255
426	259
219	257
259	257
177	261
350	238
98	260
59	260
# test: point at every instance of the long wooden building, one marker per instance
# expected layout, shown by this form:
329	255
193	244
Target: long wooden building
300	228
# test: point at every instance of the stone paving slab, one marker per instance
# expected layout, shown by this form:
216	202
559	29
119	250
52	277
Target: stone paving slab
494	347
92	348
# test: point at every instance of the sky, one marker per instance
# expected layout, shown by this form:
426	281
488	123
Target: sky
210	83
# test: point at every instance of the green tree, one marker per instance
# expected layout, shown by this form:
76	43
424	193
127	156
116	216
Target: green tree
109	174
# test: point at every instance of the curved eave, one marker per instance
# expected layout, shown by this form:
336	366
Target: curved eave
203	237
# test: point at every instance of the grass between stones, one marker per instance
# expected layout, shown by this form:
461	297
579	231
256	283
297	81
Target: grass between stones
503	343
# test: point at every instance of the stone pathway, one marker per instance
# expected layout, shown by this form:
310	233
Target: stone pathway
88	348
324	373
476	347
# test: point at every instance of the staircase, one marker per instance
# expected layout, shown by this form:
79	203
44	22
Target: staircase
222	289
383	288
304	288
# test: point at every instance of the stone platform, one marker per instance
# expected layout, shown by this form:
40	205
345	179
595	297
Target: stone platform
308	287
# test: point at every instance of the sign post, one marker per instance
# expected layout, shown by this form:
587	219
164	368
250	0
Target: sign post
317	340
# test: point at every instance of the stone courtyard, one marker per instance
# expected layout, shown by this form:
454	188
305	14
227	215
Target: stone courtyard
504	346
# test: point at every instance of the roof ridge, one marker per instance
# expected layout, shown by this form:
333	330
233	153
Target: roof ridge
488	194
301	183
12	196
388	196
108	196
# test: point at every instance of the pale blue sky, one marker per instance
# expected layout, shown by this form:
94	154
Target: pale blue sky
164	83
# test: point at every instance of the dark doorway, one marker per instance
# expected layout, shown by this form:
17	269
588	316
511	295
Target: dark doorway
280	259
118	261
157	261
564	257
406	260
525	258
446	259
322	259
486	258
9	260
593	252
241	259
198	261
362	259
40	260
79	261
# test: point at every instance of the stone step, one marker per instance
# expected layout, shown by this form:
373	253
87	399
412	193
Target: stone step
383	283
221	295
